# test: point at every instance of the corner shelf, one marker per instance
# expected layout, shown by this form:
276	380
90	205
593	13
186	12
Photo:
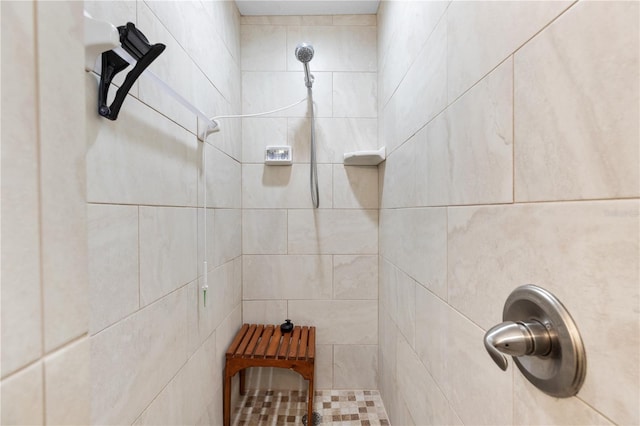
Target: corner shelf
365	158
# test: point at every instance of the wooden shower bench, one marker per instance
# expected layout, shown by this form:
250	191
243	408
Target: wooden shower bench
266	346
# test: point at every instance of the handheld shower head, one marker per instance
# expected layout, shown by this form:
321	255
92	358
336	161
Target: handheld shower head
304	53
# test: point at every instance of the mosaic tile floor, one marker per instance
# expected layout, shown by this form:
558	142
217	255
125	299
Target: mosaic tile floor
336	407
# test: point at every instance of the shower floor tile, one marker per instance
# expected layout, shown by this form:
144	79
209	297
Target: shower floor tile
336	407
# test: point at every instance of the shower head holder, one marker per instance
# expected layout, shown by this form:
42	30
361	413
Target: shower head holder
136	44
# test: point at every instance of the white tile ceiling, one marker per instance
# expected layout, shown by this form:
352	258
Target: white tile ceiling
307	7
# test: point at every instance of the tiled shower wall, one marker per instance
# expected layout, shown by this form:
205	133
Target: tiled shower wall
513	138
156	348
317	267
45	349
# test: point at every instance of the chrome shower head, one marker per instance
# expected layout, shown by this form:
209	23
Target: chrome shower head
304	52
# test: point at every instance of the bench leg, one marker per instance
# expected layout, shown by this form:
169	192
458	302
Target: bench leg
243	390
226	407
310	403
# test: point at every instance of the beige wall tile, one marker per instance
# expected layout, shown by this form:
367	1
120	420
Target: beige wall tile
271	20
22	395
264	231
317	20
337	48
415	241
62	189
135	359
223	180
167	250
355	187
323	375
593	246
483	34
399	292
427	77
338	321
354	19
264	48
355	94
260	132
425	402
432	328
534	407
333	231
21	288
577	106
269	90
223	296
227	235
472	154
173	67
142	158
68	385
283	186
355	277
264	311
334	137
355	367
287	277
113	263
398	176
470	372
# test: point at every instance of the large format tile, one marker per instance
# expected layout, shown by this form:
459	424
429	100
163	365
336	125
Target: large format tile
168	249
260	132
355	187
269	90
68	385
468	159
287	277
533	407
415	241
21	289
264	311
355	94
424	400
483	34
22	395
283	186
586	253
337	48
432	334
355	277
355	366
398	174
264	231
224	295
62	172
135	359
339	322
334	137
189	392
333	231
113	263
470	372
227	235
411	24
577	106
223	174
142	158
422	93
264	48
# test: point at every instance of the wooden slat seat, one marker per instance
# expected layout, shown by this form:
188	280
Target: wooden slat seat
258	345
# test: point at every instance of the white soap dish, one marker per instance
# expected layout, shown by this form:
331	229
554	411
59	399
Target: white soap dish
365	158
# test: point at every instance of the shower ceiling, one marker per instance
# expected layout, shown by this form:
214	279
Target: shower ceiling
307	7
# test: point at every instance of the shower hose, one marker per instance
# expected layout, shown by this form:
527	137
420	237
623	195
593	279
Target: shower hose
313	167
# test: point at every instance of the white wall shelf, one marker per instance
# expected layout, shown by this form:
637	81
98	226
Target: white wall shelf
365	158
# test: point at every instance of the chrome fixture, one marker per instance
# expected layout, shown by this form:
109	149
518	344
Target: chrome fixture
304	52
540	335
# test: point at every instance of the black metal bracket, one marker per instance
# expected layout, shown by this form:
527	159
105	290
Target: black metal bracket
137	45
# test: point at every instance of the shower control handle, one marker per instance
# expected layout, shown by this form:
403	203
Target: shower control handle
517	339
